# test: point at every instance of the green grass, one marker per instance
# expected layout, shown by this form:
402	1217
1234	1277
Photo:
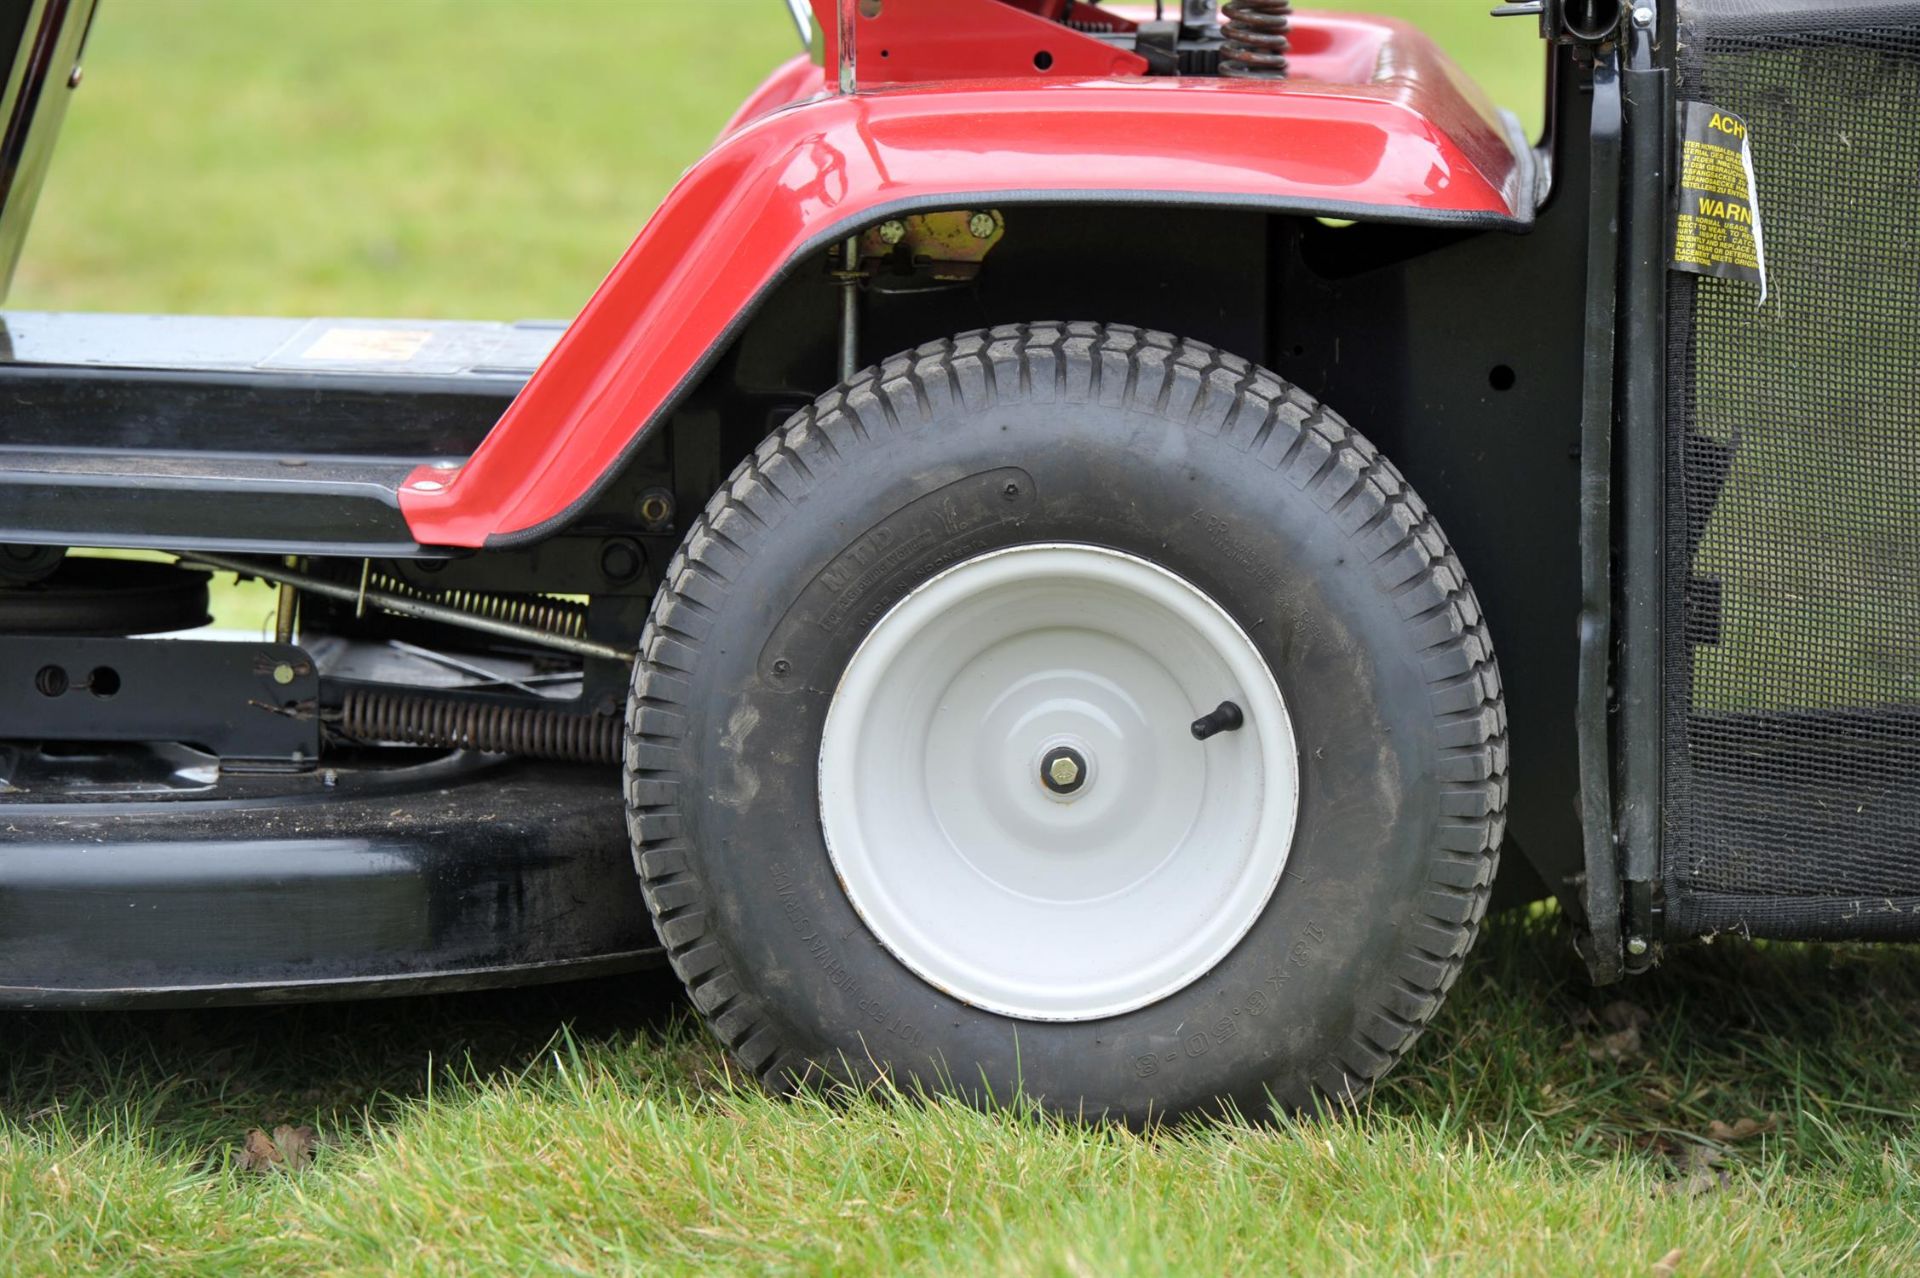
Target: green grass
483	159
490	159
594	1129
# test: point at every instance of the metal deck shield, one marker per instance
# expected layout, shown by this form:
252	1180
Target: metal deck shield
154	880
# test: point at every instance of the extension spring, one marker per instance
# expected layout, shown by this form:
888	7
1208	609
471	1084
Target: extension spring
562	617
1256	38
536	732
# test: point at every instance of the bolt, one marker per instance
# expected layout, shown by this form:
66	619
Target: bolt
656	509
893	232
982	225
283	673
1636	945
1643	17
426	485
1063	771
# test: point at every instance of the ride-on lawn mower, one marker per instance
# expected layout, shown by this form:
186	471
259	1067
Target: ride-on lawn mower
979	556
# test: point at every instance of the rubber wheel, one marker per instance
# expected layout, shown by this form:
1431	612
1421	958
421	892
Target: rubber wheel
865	663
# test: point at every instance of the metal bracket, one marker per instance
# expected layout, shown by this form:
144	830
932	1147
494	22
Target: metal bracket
1574	22
253	704
950	245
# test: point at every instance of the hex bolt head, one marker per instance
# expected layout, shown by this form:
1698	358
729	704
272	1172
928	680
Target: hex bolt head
1063	770
892	232
982	225
1643	17
1636	945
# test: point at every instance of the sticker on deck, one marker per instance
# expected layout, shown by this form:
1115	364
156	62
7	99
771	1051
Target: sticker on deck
361	345
1716	229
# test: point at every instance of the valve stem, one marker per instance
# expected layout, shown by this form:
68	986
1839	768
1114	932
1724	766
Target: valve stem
1225	717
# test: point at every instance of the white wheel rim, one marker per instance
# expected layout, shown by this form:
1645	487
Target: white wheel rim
978	877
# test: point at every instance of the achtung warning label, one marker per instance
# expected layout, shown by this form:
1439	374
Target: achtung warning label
1716	227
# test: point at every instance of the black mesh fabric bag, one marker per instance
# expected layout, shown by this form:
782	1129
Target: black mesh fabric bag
1792	777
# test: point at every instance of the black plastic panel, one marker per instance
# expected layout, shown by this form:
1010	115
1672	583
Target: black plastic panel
205	433
131	878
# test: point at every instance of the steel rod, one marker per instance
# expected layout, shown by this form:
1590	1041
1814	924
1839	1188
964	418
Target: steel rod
849	73
850	311
419	608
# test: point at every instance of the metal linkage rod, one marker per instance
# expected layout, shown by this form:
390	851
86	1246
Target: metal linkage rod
849	73
850	310
420	608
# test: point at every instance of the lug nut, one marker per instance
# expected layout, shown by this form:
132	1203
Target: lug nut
1063	770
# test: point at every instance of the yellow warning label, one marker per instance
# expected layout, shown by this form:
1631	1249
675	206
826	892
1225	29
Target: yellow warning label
1716	228
361	345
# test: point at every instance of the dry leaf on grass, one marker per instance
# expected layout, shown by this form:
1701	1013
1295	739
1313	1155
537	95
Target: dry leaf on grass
1669	1265
288	1149
1698	1172
1740	1129
1616	1046
1616	1029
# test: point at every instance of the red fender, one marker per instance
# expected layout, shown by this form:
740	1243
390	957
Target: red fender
1375	124
791	81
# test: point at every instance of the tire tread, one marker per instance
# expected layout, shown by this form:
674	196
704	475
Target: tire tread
1142	371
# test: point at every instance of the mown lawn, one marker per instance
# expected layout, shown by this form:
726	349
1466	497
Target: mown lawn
1748	1108
1540	1128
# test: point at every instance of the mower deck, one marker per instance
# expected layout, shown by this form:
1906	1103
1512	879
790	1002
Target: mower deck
145	877
189	432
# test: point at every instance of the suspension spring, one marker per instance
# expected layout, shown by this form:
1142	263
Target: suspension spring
542	612
1256	38
535	732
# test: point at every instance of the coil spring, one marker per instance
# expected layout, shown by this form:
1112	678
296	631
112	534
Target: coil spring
542	612
536	732
1256	38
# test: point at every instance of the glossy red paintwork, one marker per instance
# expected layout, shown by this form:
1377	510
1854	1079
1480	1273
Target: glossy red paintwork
791	81
916	43
1375	122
